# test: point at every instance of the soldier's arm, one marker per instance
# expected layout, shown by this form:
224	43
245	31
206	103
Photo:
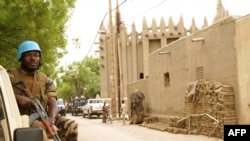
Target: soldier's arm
52	99
52	108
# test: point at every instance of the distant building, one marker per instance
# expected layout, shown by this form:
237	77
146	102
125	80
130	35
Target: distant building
161	61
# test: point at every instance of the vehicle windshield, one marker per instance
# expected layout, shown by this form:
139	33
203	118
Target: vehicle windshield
96	101
79	102
60	103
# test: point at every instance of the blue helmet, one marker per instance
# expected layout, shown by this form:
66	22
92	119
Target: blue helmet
27	46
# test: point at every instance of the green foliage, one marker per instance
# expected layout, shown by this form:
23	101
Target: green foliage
79	79
40	20
44	22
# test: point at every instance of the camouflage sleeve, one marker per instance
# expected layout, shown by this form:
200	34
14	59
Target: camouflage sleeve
11	76
50	89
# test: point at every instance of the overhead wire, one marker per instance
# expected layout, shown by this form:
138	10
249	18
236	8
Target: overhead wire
101	26
150	9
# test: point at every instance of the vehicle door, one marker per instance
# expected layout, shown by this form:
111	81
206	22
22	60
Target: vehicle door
4	131
100	103
13	126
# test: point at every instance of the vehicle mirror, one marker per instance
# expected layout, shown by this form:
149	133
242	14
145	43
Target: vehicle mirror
28	134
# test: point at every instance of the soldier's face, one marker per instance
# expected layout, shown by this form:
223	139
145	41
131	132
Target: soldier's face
30	60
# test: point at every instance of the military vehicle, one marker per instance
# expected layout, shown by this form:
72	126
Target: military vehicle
77	105
13	126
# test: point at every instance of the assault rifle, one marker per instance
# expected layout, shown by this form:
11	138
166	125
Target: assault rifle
39	111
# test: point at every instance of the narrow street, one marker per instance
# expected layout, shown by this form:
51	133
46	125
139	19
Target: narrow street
94	130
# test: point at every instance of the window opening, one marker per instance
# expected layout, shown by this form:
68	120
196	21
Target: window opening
166	79
200	73
141	75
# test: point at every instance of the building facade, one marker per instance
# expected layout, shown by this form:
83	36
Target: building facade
161	61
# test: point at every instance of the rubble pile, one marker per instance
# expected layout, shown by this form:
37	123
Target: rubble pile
208	106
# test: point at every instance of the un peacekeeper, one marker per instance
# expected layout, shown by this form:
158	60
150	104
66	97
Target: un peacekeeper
41	87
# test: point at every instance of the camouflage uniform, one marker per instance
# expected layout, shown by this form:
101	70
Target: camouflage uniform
41	88
68	130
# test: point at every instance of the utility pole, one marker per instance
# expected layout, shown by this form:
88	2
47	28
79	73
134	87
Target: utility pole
115	57
118	21
112	49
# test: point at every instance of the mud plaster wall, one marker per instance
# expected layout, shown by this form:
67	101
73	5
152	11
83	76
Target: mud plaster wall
215	55
242	46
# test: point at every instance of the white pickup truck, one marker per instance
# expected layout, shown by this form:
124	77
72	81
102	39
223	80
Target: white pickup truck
13	126
93	107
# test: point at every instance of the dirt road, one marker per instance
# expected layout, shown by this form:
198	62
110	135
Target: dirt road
95	130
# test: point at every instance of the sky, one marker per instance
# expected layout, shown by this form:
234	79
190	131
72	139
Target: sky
88	15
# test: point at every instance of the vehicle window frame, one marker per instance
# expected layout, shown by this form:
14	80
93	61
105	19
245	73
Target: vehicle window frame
3	110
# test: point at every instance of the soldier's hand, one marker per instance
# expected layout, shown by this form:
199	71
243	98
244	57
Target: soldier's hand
24	101
54	127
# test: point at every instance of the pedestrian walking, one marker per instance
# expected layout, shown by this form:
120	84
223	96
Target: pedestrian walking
108	114
123	111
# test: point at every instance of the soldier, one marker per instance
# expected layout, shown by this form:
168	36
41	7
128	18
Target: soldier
42	88
104	113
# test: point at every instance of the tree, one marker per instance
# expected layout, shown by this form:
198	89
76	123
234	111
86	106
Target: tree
79	79
40	20
65	89
93	64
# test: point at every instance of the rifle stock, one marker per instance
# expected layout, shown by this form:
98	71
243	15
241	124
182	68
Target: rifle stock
40	110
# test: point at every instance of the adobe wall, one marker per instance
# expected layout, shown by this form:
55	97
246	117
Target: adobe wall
216	57
223	56
242	46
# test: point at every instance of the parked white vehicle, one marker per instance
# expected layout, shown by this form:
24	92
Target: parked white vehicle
61	107
93	107
13	126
